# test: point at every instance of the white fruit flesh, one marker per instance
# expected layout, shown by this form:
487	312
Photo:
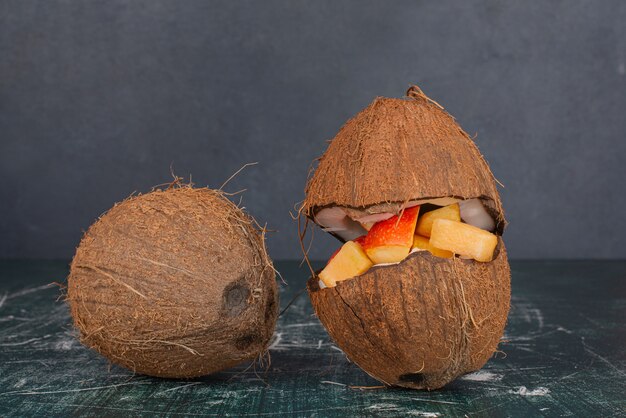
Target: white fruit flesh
335	220
375	217
474	213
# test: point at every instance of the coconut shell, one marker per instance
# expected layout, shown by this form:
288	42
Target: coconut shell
174	284
421	323
399	150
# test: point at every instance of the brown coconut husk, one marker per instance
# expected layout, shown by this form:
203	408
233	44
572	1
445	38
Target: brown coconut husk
427	320
174	283
421	323
400	150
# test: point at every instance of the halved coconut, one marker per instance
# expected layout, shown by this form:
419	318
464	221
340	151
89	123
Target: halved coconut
427	320
420	323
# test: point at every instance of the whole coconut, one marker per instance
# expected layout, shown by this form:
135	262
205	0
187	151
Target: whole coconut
174	283
427	320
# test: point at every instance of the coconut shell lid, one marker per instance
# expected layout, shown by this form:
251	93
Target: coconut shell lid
398	150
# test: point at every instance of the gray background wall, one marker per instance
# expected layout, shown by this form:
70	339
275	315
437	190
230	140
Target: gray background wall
98	98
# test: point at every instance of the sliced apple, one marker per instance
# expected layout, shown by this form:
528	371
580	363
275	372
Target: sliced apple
425	222
463	239
386	254
423	243
349	262
360	240
390	241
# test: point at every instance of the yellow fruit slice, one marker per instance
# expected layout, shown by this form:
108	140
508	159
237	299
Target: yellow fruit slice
424	244
463	239
349	262
388	254
425	222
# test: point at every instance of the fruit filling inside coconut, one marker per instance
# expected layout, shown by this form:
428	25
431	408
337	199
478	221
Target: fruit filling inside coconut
388	233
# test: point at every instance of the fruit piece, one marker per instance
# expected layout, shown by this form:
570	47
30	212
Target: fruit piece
358	240
390	241
388	254
393	231
335	220
425	222
424	244
349	262
463	239
474	213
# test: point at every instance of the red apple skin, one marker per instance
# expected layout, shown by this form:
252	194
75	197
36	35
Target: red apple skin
393	232
360	240
390	232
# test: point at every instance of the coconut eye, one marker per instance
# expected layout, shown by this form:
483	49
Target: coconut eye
235	298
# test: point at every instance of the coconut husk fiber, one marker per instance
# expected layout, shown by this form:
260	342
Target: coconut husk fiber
174	283
421	323
399	150
427	320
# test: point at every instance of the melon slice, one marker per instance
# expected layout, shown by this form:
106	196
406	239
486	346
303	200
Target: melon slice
463	239
349	262
423	243
425	222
